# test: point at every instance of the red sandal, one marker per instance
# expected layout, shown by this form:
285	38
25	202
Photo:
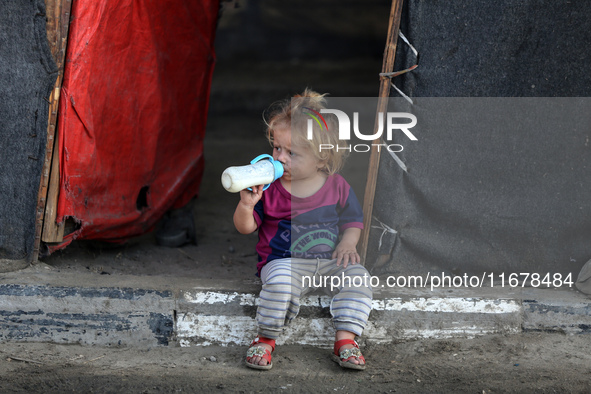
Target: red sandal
260	351
343	357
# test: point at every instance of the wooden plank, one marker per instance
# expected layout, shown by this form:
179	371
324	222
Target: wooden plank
53	231
384	94
58	22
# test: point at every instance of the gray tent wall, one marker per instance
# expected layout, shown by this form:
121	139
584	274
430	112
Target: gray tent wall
526	210
27	75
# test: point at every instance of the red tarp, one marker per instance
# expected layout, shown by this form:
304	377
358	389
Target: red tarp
133	111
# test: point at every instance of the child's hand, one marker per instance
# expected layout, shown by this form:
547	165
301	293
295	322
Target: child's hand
250	198
243	216
346	250
346	253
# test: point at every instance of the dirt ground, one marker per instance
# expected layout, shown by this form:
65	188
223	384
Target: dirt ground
534	362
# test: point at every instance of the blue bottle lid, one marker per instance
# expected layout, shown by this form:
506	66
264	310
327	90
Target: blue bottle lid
277	166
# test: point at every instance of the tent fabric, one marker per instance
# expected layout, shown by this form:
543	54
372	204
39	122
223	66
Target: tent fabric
27	76
473	200
133	112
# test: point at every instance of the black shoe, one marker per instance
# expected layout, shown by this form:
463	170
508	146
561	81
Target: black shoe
177	227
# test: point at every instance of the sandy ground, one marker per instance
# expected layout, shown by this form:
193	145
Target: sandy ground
535	362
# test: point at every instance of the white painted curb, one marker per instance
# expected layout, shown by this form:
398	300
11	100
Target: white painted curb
209	318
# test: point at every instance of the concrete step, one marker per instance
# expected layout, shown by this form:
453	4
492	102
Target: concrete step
41	304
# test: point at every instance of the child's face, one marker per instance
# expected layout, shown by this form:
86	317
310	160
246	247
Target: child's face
299	163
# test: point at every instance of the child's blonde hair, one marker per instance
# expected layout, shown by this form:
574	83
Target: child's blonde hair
295	113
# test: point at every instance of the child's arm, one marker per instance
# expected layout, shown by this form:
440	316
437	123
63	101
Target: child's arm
244	214
346	250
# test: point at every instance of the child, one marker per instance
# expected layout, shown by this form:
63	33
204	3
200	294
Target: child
309	223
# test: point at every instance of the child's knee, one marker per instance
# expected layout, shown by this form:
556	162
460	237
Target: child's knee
357	270
279	276
282	281
358	277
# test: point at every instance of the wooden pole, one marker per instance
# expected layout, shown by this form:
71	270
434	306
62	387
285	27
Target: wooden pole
384	94
58	22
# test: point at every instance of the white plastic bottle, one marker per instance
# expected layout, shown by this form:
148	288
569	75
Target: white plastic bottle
263	170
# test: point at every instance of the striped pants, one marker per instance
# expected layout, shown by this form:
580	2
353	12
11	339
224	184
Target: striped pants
286	280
